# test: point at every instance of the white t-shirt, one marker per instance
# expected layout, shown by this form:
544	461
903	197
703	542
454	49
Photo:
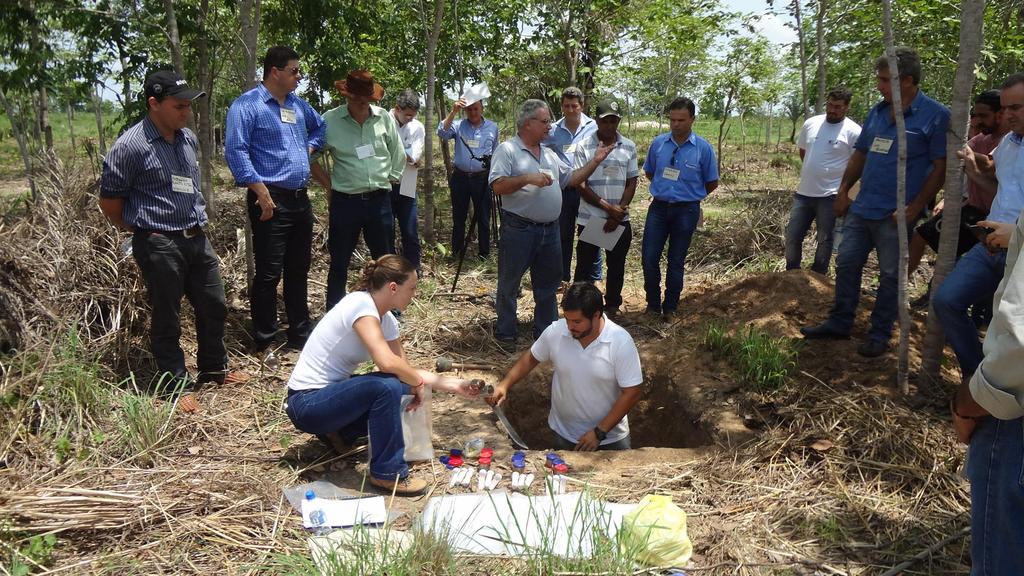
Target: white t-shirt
588	381
334	349
827	149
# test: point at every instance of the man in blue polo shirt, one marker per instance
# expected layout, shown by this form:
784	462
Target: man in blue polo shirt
683	170
150	187
564	138
476	138
870	220
270	134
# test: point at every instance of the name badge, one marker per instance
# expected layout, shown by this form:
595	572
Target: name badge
881	145
364	151
473	143
670	174
287	115
549	173
182	184
569	149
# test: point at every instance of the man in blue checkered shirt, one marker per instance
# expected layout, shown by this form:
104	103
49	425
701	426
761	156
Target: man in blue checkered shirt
270	135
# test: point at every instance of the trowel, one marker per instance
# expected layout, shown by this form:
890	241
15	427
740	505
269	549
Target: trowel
517	441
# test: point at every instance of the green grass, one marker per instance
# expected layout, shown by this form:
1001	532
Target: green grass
84	123
763	361
144	424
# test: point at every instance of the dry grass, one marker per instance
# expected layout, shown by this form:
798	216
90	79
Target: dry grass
208	498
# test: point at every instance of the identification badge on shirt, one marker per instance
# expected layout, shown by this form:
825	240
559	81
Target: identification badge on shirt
569	149
549	173
881	145
287	115
670	174
364	151
182	184
473	143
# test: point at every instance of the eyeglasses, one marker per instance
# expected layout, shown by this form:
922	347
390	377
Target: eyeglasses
545	121
294	70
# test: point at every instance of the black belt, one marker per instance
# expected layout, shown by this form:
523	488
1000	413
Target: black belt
506	213
465	174
186	233
298	192
676	203
362	195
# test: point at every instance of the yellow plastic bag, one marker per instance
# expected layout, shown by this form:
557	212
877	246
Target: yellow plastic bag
655	533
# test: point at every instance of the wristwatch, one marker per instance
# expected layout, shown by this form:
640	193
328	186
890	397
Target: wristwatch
601	434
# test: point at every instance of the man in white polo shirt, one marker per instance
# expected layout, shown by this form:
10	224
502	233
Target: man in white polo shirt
826	144
597	378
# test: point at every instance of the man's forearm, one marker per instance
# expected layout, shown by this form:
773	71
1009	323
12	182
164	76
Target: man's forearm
852	174
583	172
509	184
623	404
113	209
320	175
629	192
520	369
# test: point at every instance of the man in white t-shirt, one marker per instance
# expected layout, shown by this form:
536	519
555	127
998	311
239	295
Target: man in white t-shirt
826	144
597	377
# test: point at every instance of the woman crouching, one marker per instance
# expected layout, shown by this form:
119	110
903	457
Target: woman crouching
325	399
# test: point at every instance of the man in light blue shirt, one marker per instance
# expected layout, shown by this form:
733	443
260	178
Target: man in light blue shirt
564	138
978	272
476	138
870	222
683	170
270	134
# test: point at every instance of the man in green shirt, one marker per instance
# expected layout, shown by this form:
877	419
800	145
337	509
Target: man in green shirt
368	156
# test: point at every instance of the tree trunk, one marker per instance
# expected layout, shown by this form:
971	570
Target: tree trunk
971	20
19	135
568	52
205	80
819	32
901	201
743	140
428	144
173	39
44	119
768	129
249	17
126	75
71	125
803	55
97	104
721	126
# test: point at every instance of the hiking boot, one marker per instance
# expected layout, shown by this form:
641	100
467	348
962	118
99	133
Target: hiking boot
823	332
407	486
228	378
872	348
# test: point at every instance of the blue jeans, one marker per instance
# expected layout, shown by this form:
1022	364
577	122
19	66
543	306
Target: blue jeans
527	245
350	214
368	403
806	210
995	467
975	276
676	223
405	211
860	237
465	189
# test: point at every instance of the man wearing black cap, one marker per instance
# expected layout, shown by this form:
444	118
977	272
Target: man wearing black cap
606	195
270	134
369	157
150	187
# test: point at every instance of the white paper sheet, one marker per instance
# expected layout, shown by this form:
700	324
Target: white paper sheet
593	233
407	187
348	512
476	92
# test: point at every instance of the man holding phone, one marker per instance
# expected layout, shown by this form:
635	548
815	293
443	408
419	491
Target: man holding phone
977	274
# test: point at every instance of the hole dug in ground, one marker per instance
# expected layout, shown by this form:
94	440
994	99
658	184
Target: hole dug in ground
661	418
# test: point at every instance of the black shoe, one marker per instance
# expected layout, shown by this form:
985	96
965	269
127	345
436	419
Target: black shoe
297	344
921	302
872	348
823	332
612	312
507	345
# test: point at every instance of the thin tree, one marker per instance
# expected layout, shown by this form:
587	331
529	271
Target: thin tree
249	17
19	135
98	109
972	14
803	54
901	198
433	33
819	33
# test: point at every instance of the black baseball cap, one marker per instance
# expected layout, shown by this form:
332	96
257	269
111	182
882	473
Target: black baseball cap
608	108
170	83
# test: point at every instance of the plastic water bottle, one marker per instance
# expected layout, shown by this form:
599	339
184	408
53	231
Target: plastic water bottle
316	514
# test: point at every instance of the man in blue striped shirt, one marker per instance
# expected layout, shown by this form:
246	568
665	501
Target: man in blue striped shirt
270	135
150	187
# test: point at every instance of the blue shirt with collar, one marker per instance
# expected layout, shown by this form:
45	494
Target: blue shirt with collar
483	139
1009	160
564	142
926	121
695	161
139	168
259	146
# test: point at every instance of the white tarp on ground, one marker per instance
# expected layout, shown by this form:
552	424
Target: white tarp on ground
513	524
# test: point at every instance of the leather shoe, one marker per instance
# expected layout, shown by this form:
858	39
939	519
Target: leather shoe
823	332
872	348
407	486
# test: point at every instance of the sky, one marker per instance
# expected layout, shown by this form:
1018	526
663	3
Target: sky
773	22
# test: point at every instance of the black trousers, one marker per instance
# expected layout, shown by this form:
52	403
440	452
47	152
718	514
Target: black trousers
175	266
567	227
586	257
281	246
